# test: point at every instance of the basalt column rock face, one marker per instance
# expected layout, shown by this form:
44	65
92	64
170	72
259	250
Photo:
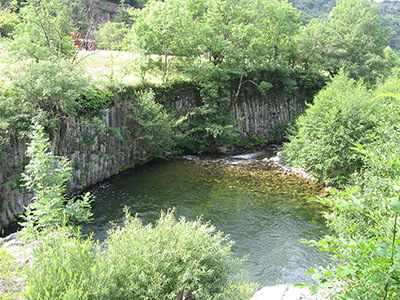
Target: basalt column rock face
97	151
265	115
102	147
13	197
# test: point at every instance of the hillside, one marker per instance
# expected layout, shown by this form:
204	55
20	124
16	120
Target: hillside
389	11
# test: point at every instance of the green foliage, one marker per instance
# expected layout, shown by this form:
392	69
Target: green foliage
8	21
48	91
110	35
155	126
364	242
351	38
139	262
224	47
211	121
9	273
156	261
313	8
364	245
168	36
392	61
250	141
123	15
8	265
63	267
134	3
390	12
54	88
94	100
46	176
45	28
342	114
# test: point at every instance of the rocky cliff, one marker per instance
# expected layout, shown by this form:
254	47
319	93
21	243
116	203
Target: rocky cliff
101	149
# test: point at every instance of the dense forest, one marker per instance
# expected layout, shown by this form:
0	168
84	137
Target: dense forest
389	14
335	57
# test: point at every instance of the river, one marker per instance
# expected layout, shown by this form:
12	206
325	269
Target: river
263	210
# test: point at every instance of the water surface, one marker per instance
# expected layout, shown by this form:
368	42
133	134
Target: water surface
263	210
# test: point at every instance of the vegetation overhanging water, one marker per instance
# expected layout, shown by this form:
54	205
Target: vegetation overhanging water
263	210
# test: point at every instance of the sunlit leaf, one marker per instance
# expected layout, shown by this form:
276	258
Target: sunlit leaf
394	204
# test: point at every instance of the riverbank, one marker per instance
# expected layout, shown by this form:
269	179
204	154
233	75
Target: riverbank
286	292
19	254
248	178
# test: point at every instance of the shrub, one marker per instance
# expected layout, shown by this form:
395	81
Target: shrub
63	267
342	114
54	88
45	176
156	128
138	262
156	261
93	100
364	221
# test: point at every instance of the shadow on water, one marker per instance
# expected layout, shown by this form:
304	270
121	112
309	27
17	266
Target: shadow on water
264	211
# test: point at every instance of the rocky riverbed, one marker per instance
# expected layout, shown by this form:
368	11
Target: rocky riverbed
285	292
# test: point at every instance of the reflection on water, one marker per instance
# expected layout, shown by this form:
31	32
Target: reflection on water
264	211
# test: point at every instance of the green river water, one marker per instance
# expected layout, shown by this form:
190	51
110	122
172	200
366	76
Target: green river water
264	211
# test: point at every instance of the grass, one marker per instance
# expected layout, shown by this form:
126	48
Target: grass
104	66
10	287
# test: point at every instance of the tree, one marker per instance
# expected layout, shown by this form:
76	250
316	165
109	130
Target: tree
223	46
243	44
342	114
110	35
354	40
168	37
45	28
156	128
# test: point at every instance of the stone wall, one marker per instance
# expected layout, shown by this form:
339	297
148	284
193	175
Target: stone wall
99	150
265	114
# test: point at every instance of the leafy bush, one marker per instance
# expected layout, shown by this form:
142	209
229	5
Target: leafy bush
63	267
156	128
46	86
138	262
93	100
364	247
364	221
364	243
156	261
342	114
45	176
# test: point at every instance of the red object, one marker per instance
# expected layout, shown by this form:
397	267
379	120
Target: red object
82	44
